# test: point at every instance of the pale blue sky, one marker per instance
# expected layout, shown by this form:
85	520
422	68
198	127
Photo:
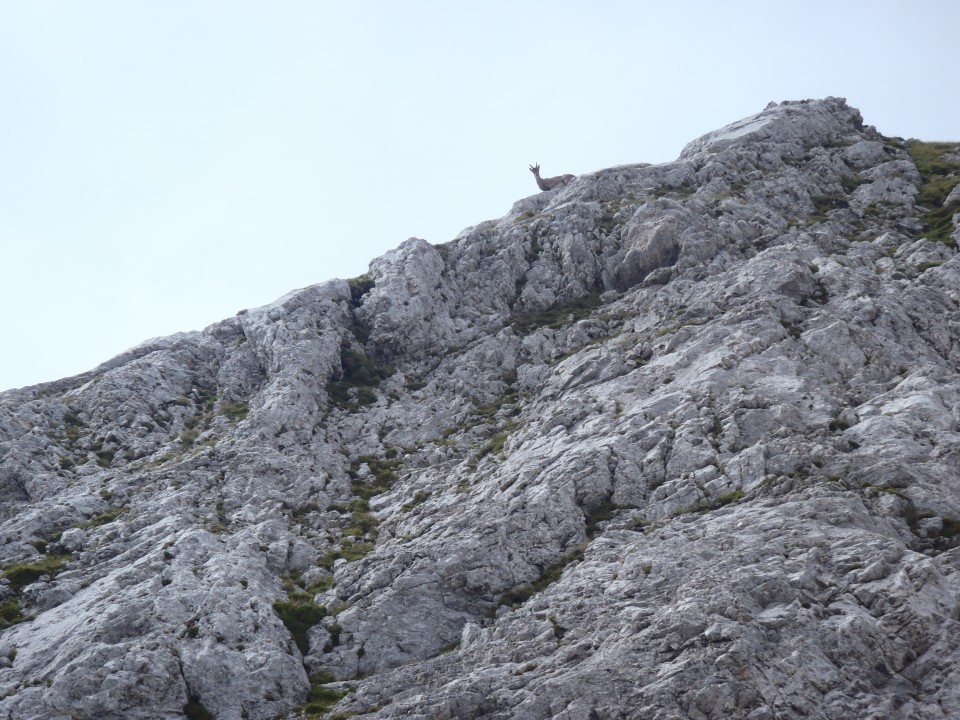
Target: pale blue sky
166	164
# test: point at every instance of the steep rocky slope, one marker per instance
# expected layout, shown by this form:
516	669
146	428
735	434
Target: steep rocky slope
674	441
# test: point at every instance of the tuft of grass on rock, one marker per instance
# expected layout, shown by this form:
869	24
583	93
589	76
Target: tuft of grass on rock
108	516
359	379
10	613
558	315
194	710
418	499
235	411
550	575
22	574
299	613
940	173
321	698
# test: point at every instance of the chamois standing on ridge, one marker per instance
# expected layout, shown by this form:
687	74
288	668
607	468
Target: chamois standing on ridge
549	183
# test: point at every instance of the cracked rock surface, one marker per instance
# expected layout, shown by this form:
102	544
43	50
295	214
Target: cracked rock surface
673	441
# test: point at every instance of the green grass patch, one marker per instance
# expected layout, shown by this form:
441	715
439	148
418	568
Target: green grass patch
360	286
518	596
852	182
365	491
603	512
823	204
347	551
495	446
795	331
334	630
103	518
940	175
557	315
321	698
10	613
299	613
384	475
73	426
487	412
235	411
385	471
72	419
188	437
194	710
359	378
363	523
105	457
950	527
680	191
22	574
356	505
415	384
355	551
838	424
418	499
721	500
559	631
611	218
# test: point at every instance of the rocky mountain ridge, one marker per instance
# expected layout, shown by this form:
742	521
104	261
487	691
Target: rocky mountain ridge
674	441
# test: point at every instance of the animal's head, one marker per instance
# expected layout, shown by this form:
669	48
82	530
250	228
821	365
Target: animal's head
535	169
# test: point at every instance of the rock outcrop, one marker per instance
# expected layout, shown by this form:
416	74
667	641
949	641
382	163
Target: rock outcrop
673	441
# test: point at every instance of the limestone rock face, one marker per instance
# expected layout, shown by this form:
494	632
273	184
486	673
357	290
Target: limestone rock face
675	440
